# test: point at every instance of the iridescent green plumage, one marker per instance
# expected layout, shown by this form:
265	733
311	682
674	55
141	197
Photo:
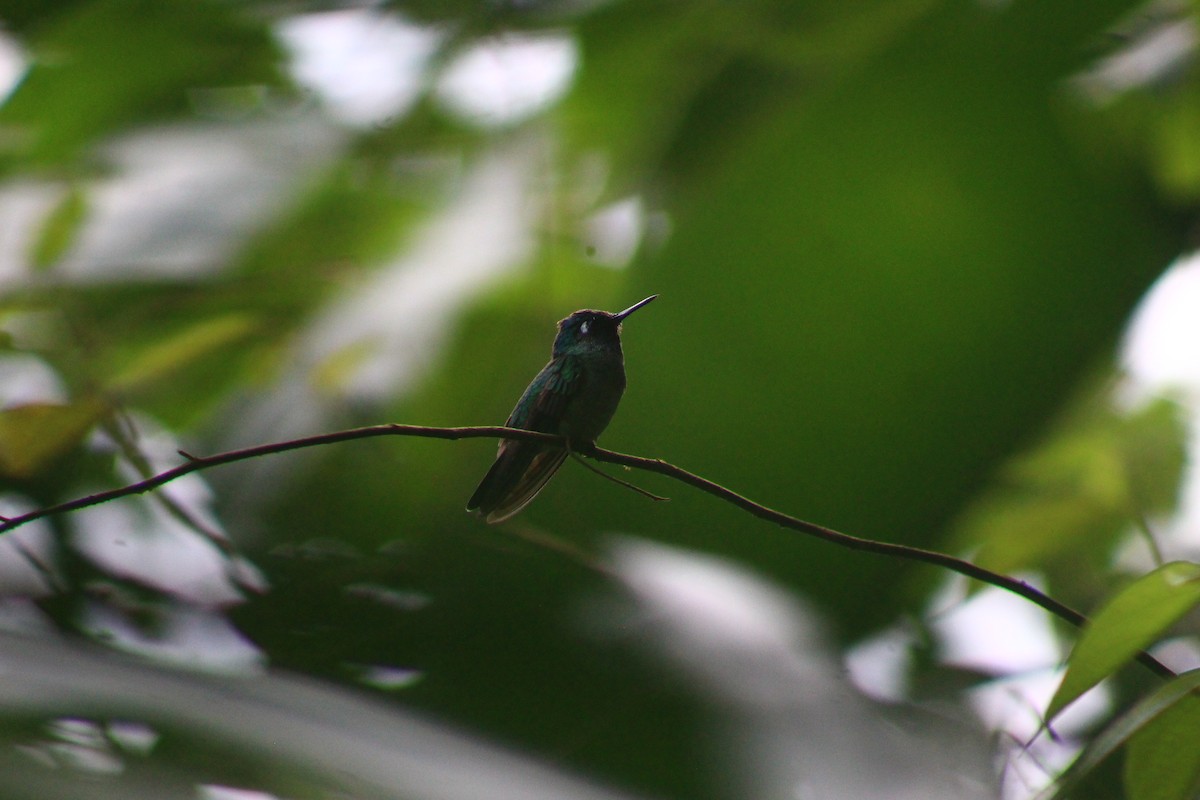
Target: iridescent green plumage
575	396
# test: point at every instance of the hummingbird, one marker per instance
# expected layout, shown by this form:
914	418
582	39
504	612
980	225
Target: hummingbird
575	396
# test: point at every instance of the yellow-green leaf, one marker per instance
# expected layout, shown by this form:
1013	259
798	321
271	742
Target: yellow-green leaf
59	230
1153	449
1134	618
331	374
1031	528
168	357
33	435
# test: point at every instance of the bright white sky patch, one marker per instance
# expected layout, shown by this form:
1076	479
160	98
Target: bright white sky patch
27	379
188	636
879	665
12	65
509	78
1145	58
996	631
1160	348
614	232
1159	355
366	67
1000	633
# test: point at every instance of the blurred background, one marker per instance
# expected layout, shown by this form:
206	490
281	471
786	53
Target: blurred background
925	277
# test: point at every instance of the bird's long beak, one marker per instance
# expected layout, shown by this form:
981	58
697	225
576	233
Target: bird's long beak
621	316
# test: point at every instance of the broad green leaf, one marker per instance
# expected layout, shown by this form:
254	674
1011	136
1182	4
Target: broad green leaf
1163	760
1152	445
1017	530
1079	490
59	230
1130	621
33	435
166	358
1125	728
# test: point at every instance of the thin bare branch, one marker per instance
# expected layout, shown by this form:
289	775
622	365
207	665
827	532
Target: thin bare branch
656	497
961	566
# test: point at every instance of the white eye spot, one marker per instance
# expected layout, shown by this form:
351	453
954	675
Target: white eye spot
584	327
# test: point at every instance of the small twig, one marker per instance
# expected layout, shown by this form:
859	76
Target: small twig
961	566
125	435
38	566
1142	525
617	480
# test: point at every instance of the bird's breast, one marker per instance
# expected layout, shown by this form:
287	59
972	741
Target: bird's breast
593	408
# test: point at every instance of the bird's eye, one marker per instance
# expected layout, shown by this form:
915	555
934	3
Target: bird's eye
584	327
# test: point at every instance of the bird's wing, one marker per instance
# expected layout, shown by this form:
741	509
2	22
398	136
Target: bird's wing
521	468
541	469
545	401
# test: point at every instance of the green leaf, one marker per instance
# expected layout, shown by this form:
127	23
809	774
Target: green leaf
1156	766
1074	494
1123	729
167	358
33	435
60	229
1019	529
1130	621
1152	444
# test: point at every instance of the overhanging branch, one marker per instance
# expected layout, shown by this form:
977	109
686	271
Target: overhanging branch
195	463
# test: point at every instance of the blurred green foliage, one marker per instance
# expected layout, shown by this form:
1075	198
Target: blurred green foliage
892	240
1099	472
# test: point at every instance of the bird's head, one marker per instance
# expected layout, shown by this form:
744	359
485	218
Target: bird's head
592	330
